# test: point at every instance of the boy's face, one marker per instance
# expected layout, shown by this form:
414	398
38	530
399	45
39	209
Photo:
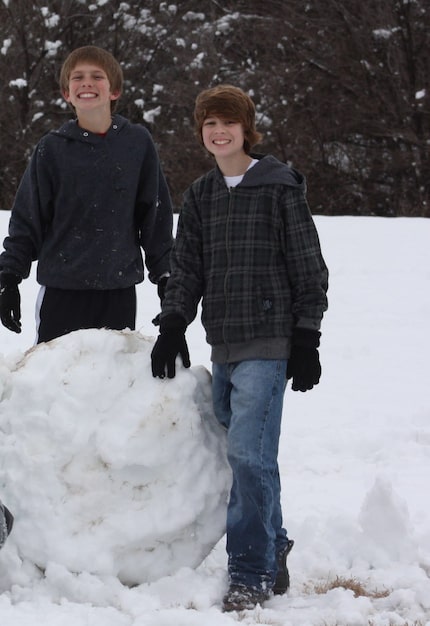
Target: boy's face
89	89
222	137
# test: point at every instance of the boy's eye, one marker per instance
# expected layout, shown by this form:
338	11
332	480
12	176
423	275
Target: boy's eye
213	122
78	77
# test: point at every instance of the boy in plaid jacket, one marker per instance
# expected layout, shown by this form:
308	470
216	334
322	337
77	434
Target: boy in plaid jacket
247	246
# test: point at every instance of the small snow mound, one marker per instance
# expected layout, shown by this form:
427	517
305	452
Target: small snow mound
385	521
106	469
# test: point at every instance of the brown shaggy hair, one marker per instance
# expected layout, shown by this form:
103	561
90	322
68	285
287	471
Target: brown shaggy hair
228	103
97	56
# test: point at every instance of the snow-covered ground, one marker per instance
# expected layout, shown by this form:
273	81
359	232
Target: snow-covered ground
354	459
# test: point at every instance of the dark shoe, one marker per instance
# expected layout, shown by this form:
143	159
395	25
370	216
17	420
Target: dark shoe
6	523
282	581
240	598
9	519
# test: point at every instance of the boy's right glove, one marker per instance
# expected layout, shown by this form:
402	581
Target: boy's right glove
304	363
171	342
10	302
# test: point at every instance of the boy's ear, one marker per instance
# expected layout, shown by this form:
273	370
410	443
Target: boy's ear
115	95
66	95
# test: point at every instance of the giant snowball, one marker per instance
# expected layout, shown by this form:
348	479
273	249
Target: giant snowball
106	469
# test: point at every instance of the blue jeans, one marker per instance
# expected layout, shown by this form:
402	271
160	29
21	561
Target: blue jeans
248	400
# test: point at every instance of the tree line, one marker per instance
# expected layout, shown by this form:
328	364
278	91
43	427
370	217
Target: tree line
341	87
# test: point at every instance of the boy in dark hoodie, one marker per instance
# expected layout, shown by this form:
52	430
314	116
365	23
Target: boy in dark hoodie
247	246
92	197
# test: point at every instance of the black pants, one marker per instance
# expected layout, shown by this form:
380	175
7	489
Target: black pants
65	310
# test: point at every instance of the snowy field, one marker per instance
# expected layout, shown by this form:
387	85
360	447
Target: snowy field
354	460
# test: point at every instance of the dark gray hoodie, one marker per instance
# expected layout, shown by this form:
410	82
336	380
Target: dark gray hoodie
87	205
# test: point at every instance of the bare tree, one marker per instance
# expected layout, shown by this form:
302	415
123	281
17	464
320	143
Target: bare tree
354	94
341	86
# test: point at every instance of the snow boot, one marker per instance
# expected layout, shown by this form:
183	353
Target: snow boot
240	598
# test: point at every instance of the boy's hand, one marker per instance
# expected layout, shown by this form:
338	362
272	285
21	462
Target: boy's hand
304	363
10	302
169	344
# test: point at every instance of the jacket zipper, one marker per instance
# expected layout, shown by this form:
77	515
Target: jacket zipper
227	248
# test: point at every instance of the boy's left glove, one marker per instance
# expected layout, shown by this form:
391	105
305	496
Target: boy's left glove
171	342
304	363
10	302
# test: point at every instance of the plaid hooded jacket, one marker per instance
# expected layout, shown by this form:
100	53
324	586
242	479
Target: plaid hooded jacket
252	254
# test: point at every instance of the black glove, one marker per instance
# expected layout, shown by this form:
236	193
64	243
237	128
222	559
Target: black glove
161	289
304	363
10	302
170	343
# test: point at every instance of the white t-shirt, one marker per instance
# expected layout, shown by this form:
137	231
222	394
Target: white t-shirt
233	181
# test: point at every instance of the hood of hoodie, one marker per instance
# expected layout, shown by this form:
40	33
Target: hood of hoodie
71	130
270	171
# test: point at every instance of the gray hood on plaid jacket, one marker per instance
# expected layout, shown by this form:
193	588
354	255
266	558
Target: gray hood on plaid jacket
252	254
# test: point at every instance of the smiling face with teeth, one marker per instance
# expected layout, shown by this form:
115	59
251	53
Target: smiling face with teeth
89	89
91	81
222	137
